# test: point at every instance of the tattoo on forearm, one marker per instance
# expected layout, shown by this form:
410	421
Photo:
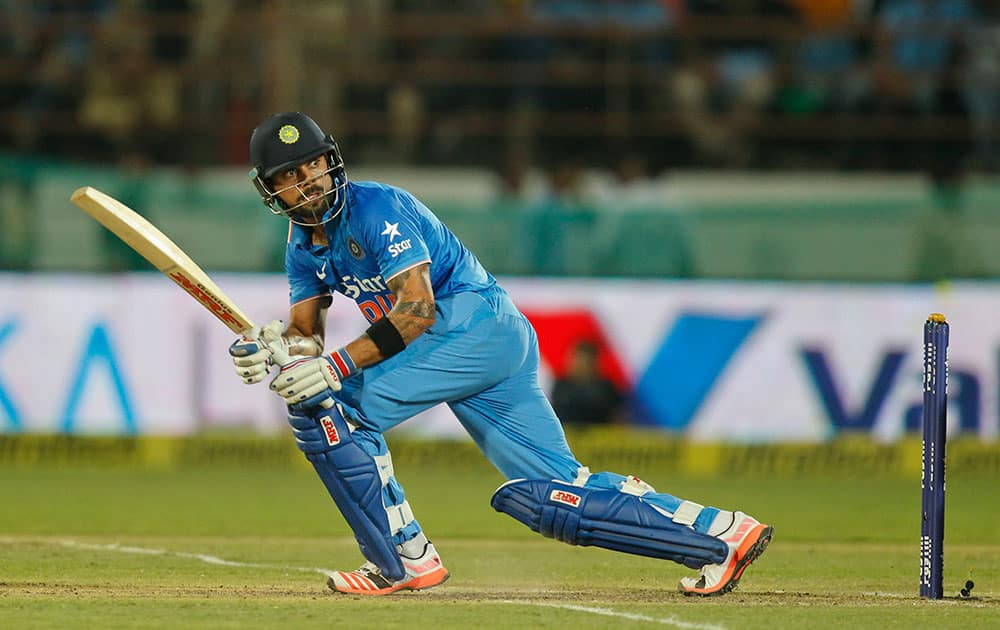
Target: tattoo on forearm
413	311
411	319
422	310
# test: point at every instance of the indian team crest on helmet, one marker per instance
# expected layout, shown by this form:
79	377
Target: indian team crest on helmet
289	134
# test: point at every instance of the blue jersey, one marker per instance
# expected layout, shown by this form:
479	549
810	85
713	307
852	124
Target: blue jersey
382	231
481	355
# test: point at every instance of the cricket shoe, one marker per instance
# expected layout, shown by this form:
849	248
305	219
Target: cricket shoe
747	539
423	572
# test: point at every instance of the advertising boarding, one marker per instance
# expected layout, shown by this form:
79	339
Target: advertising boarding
712	361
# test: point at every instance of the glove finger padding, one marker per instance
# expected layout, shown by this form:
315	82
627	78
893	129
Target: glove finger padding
251	360
252	356
260	357
248	343
308	392
253	373
304	377
243	347
290	390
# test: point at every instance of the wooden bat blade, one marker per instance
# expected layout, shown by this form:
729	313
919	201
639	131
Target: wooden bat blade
153	245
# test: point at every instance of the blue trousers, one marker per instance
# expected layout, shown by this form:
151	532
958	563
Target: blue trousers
480	358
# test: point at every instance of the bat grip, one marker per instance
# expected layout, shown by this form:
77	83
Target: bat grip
277	345
280	357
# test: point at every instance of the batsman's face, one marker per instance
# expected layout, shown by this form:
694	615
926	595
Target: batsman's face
303	188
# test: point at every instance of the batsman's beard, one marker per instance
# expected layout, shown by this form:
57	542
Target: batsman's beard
313	211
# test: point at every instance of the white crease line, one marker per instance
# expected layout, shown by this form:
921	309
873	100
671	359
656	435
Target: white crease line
192	556
607	612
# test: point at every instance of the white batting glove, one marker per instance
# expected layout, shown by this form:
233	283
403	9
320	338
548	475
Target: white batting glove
305	378
252	354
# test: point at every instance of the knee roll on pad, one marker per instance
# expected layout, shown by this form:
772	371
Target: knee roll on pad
605	518
351	477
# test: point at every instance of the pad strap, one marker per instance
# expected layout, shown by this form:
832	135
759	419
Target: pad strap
687	513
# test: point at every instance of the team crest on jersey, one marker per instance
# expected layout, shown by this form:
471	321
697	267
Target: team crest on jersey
289	134
354	248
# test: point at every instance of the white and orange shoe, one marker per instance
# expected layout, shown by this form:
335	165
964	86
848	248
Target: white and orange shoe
747	539
426	571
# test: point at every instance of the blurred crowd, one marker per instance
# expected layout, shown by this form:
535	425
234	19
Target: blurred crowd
849	84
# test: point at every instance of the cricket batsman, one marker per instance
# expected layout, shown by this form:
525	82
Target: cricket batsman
442	331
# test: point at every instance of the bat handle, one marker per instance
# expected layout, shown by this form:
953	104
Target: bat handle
277	346
279	355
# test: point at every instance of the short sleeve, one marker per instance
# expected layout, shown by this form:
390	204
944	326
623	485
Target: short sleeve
303	283
394	234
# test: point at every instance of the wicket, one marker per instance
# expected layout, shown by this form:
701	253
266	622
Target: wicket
934	421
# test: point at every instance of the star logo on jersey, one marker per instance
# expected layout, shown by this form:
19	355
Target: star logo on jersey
391	230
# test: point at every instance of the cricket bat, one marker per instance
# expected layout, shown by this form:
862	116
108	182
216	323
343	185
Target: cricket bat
164	254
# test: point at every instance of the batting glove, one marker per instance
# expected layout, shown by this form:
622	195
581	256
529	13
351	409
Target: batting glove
252	355
308	381
305	378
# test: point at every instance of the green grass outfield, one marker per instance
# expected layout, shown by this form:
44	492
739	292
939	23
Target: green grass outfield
242	543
